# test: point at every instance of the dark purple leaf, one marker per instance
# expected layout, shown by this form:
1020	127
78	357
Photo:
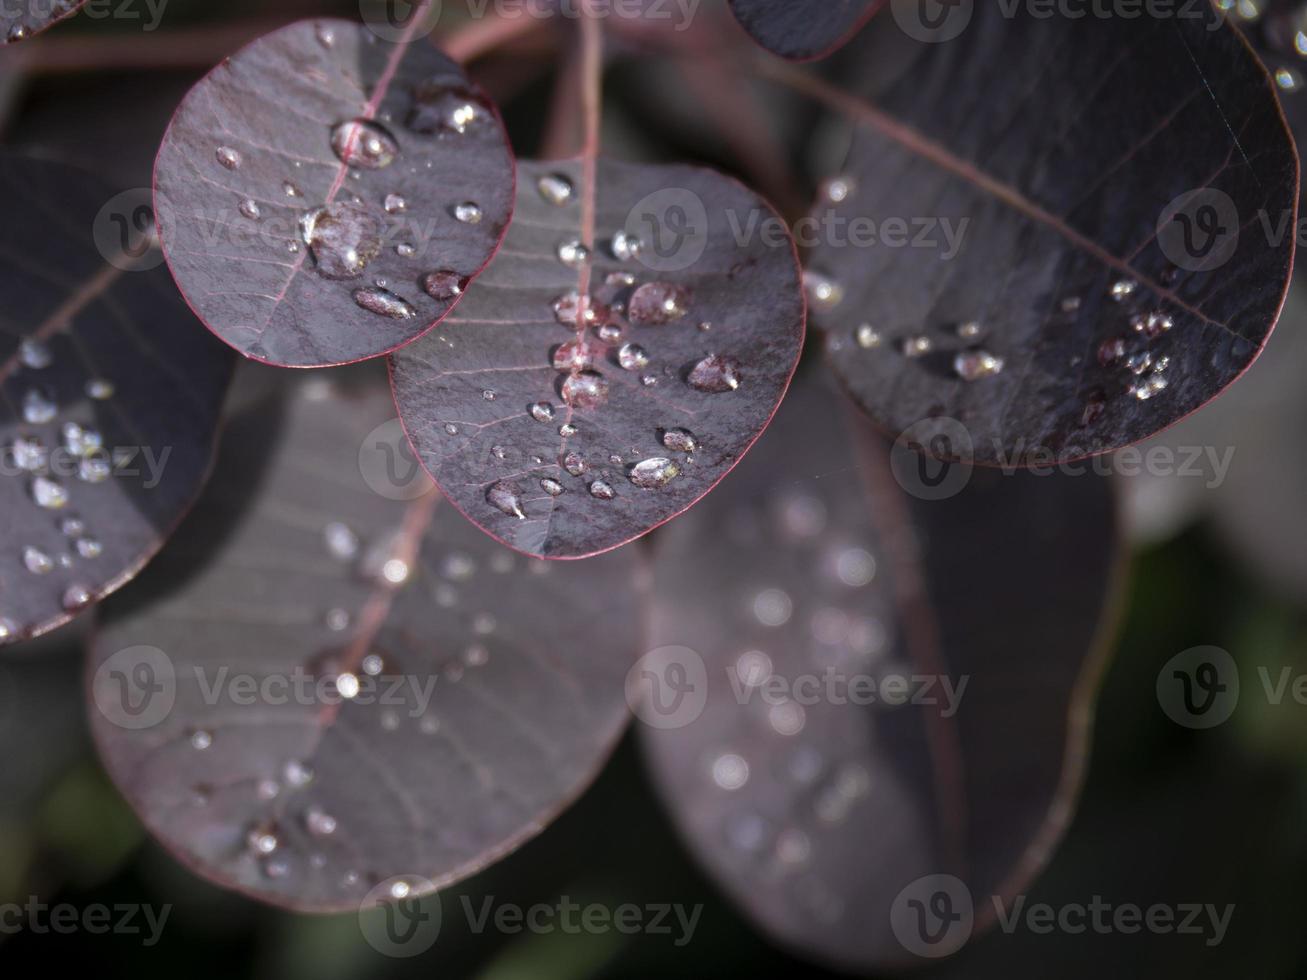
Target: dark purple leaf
1110	262
498	680
111	395
316	163
804	30
566	432
810	577
21	19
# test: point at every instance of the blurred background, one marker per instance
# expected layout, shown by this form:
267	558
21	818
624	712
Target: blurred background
1168	814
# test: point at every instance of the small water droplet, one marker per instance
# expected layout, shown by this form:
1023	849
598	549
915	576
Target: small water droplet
730	771
601	490
823	292
573	254
609	333
542	412
715	374
405	251
8	628
262	839
680	440
551	487
49	494
1149	387
363	143
633	357
37	561
837	190
570	307
916	346
298	774
325	34
444	284
588	389
384	303
342	542
773	607
574	464
575	355
228	157
469	213
970	330
976	364
201	740
76	597
73	527
1153	325
1123	289
567	430
626	247
96	469
1139	363
654	473
250	209
1288	79
37	407
657	303
89	548
1070	304
395	204
489	394
556	189
291	190
99	389
35	355
318	822
507	497
867	337
1111	350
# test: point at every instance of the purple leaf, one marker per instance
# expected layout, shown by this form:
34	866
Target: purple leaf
111	395
804	30
21	19
566	429
489	687
316	164
807	585
1071	267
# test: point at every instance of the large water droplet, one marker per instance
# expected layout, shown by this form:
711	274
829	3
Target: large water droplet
654	473
715	374
601	490
440	108
384	303
633	357
589	389
551	487
680	441
229	158
658	303
363	143
29	454
507	497
542	412
343	238
49	494
574	464
556	189
469	213
575	355
443	285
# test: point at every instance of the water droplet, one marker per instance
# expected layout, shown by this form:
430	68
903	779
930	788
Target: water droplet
337	619
507	497
773	607
1153	385
573	254
626	247
657	303
73	527
633	357
343	239
976	364
228	157
969	330
49	493
395	204
342	542
916	346
37	561
1139	363
94	470
37	407
262	839
348	686
325	34
787	718
469	213
1288	79
201	740
8	628
542	412
81	442
730	771
1111	350
298	774
405	251
715	374
610	333
556	189
855	567
837	190
570	307
35	355
489	394
567	430
1070	304
318	822
1123	289
384	303
443	285
89	548
680	441
29	454
574	464
601	490
575	355
1153	325
98	389
589	389
291	190
76	597
867	337
363	143
823	292
551	487
395	571
654	473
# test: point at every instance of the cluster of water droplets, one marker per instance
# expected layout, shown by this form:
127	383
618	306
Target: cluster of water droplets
345	235
1133	351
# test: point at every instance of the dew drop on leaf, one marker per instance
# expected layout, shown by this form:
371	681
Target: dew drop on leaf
657	303
384	303
715	374
363	143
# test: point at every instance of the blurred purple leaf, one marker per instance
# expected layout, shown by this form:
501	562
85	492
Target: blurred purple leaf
111	395
807	585
1074	267
803	30
22	19
314	165
487	689
566	429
